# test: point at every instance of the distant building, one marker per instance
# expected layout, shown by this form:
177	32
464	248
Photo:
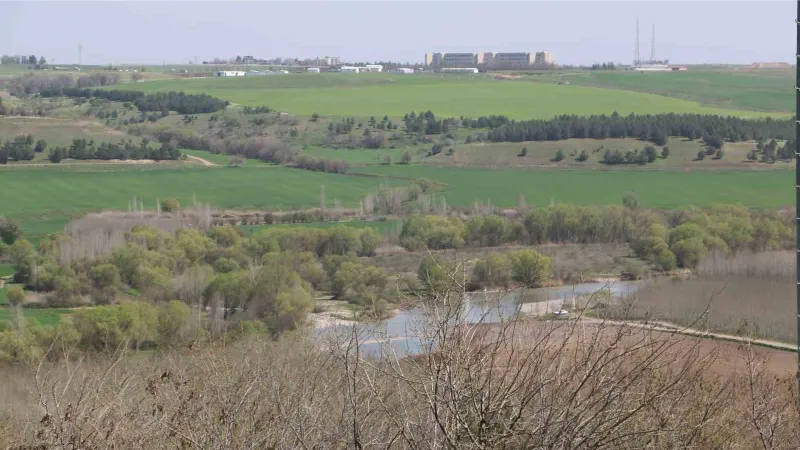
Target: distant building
248	60
433	59
491	59
313	70
508	60
459	70
771	65
459	59
544	58
402	70
348	69
229	73
372	68
679	68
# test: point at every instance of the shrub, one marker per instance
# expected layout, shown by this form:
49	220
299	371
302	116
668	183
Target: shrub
170	205
559	156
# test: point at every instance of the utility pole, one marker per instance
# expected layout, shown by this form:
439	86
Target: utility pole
797	183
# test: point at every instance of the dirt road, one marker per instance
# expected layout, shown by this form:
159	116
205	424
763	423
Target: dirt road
205	162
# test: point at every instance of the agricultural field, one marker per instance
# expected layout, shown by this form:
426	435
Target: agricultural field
46	317
381	94
654	188
53	196
757	90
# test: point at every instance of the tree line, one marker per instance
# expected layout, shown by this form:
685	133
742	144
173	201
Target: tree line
669	239
655	128
30	84
713	129
161	101
83	149
21	148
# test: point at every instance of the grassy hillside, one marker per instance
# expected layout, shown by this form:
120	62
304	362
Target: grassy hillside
446	95
682	154
762	90
60	132
655	188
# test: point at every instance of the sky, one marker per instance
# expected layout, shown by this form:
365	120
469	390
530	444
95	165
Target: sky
148	32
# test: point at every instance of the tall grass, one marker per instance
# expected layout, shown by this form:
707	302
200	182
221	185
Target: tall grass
750	294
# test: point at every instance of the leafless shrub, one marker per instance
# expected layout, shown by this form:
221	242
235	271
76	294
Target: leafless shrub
514	384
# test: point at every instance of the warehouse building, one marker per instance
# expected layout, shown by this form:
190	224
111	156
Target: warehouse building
229	73
402	71
459	70
348	69
544	59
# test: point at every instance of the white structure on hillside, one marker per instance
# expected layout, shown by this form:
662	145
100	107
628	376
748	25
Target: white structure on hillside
459	70
229	73
402	70
348	69
313	70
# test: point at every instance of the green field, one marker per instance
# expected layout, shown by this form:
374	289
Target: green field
382	94
761	90
6	270
33	195
655	188
382	227
45	317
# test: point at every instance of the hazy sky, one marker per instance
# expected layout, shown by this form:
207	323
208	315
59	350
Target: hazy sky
576	32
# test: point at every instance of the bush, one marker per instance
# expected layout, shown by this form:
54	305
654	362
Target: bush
170	205
559	156
523	152
665	152
583	156
529	267
701	155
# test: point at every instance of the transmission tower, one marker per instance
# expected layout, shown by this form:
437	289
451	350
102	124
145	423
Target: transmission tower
653	45
636	52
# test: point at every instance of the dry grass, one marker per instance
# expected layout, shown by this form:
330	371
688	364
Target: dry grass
750	295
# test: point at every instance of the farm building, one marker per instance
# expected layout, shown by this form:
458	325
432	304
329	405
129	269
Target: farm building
402	70
229	73
313	70
459	70
372	68
348	69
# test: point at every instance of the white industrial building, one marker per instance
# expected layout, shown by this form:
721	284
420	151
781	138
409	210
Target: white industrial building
402	70
372	68
313	70
459	70
348	69
229	73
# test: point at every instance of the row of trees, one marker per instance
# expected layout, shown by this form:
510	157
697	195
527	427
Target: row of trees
648	155
655	128
425	122
161	101
21	148
23	59
30	84
526	267
668	238
83	149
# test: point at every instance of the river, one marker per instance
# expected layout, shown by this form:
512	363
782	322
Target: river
398	333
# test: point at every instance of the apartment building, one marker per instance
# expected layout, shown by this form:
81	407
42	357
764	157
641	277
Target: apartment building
520	59
544	58
459	59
